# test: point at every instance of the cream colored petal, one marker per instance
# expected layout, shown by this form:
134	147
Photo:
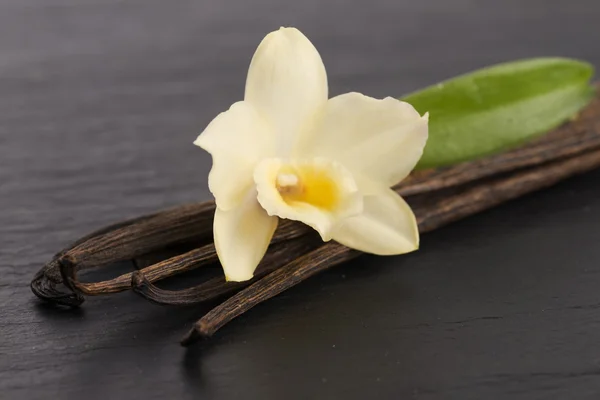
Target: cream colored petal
381	140
316	192
242	236
387	226
287	83
237	139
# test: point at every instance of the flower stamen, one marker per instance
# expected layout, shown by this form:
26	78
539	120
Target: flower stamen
288	183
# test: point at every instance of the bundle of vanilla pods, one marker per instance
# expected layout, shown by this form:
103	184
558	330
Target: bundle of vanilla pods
178	240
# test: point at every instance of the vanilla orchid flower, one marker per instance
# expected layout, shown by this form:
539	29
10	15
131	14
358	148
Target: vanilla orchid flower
287	151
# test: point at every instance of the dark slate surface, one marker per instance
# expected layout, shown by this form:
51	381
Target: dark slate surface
99	103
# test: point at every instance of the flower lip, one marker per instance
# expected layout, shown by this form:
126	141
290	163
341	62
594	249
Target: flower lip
315	191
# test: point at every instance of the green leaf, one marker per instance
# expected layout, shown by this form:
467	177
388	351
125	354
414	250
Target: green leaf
500	107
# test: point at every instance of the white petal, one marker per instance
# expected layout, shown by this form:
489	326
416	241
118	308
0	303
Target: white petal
287	83
387	226
381	140
316	192
237	139
242	236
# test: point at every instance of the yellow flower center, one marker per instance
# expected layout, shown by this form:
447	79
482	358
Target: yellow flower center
315	191
308	183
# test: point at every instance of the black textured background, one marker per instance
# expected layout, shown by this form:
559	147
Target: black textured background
99	103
